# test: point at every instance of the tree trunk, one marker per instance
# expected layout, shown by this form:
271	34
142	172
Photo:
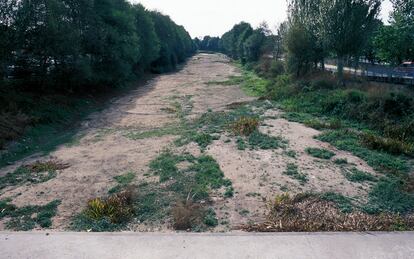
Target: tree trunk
340	68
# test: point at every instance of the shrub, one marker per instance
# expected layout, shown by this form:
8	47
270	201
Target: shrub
277	68
117	208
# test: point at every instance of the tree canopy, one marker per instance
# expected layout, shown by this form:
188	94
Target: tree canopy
67	45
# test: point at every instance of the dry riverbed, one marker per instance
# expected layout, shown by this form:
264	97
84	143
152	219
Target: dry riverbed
139	127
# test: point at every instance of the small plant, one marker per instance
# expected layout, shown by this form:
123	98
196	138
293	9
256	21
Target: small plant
291	153
244	212
241	145
358	176
203	139
210	219
229	193
320	153
341	161
292	171
245	126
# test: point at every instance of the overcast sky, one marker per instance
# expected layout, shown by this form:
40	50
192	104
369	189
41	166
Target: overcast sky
215	17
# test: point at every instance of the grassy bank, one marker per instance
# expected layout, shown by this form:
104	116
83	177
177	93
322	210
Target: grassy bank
373	121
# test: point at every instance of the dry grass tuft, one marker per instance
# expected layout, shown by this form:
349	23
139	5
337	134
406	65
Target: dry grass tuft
390	145
245	126
186	215
309	213
46	166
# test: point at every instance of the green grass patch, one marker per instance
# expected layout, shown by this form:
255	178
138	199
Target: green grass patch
292	170
358	176
38	172
173	130
320	153
233	80
264	141
122	181
380	161
28	217
389	195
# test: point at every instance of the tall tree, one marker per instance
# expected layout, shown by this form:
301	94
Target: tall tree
347	26
395	42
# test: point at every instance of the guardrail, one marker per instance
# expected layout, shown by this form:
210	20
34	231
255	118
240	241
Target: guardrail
377	73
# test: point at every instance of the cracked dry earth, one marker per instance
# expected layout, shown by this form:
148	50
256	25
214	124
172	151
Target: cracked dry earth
104	151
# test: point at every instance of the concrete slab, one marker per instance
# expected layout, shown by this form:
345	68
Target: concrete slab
235	245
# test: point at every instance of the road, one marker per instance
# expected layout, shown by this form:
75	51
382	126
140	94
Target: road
133	245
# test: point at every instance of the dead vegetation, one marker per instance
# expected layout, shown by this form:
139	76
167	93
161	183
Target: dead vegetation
311	213
245	126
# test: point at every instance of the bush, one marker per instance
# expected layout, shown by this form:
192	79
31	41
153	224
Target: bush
277	68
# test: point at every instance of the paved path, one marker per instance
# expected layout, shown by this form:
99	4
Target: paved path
209	246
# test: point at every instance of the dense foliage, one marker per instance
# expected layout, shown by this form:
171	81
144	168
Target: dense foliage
395	42
66	46
55	53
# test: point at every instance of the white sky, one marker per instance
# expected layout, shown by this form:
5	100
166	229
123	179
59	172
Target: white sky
215	17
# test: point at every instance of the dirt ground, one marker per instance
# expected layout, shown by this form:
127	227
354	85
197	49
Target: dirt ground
103	151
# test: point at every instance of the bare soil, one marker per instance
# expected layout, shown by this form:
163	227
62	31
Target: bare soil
103	150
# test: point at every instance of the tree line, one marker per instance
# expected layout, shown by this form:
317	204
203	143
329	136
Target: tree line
345	30
78	45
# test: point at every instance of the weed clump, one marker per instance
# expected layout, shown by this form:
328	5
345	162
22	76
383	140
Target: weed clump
320	153
245	126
